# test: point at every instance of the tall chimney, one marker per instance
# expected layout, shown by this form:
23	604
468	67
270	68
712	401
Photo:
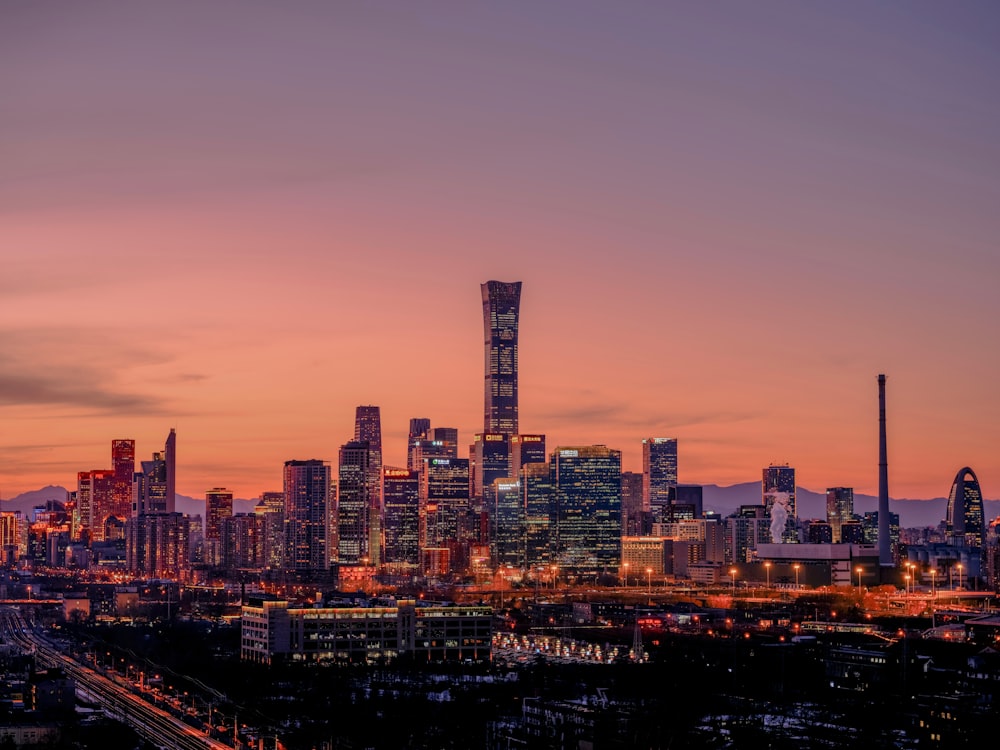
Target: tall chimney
884	546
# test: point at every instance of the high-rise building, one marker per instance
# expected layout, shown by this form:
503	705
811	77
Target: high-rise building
745	530
526	449
424	449
420	428
123	465
444	505
965	524
448	437
587	485
307	515
102	507
506	523
778	497
271	511
839	510
501	311
368	428
401	501
491	460
241	542
153	487
353	503
539	515
218	506
659	467
632	502
170	458
157	545
688	502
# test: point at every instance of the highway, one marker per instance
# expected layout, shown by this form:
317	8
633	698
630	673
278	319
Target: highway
118	701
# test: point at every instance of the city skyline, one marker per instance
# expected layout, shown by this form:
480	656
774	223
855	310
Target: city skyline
727	220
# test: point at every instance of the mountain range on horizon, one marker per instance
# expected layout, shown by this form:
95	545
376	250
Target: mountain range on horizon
913	513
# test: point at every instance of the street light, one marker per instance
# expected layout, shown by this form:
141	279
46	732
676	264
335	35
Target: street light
767	575
960	576
858	570
933	582
625	565
732	572
796	567
649	580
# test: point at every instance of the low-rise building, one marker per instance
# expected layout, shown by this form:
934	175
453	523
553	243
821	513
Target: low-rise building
274	630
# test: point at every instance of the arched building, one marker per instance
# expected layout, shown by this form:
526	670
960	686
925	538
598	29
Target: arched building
965	523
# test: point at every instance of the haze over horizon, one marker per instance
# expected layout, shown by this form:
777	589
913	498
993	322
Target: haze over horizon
242	220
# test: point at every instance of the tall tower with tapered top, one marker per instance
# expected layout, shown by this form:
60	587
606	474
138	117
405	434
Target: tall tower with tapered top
501	310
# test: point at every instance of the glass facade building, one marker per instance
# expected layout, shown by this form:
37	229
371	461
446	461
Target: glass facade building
501	310
587	485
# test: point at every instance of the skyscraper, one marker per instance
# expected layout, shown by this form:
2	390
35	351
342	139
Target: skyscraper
218	506
526	449
506	509
501	310
170	458
271	511
123	465
659	468
307	503
587	483
401	500
420	428
965	522
368	428
632	502
778	497
444	505
354	503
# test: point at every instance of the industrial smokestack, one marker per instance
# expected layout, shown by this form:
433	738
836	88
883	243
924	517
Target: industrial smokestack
884	547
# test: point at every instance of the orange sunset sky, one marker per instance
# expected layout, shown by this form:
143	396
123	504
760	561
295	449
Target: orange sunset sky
242	220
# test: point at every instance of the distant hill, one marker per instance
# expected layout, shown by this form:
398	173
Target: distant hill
723	500
912	513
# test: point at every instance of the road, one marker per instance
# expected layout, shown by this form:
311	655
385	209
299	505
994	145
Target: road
118	701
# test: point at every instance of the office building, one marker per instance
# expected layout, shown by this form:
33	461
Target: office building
526	449
633	518
839	510
354	504
448	437
490	460
368	428
420	428
123	466
444	507
271	512
587	485
218	506
501	312
241	542
277	631
157	545
95	494
745	530
688	502
778	498
401	501
659	468
153	486
539	515
965	521
507	531
307	515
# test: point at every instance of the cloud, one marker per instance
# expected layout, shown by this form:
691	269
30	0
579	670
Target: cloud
21	390
76	368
